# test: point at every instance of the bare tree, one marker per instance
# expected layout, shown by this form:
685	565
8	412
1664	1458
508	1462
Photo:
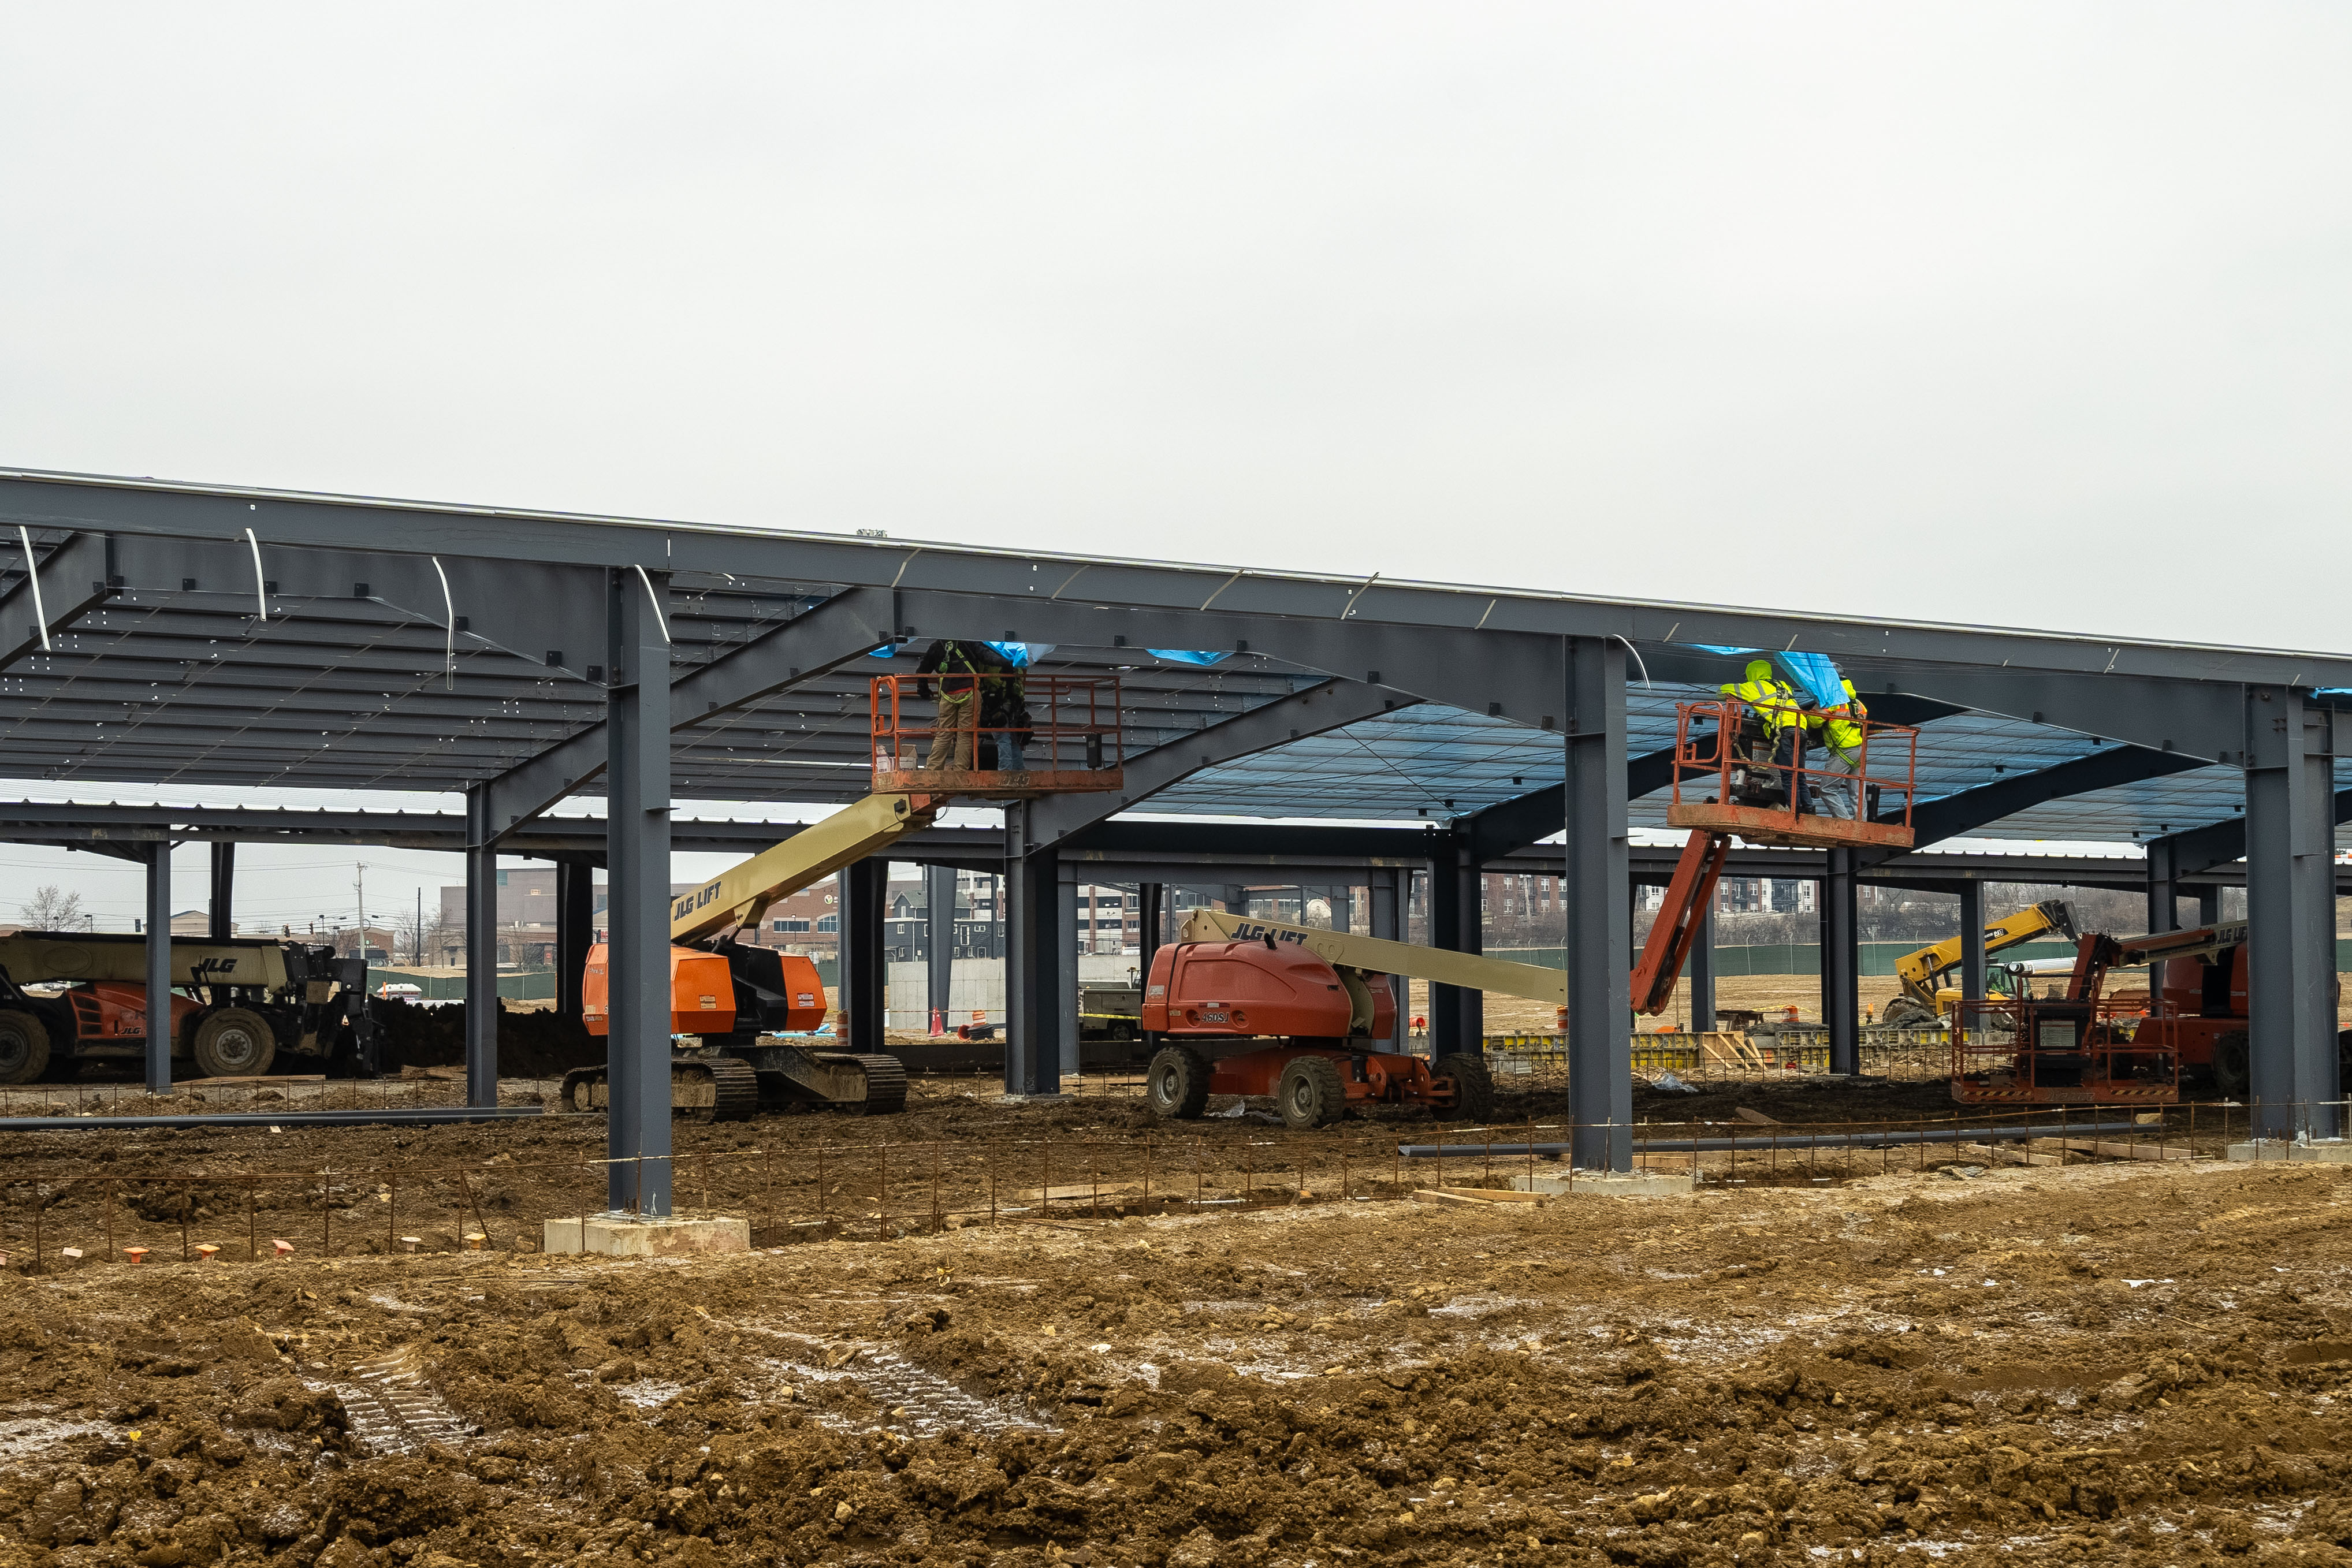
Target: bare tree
51	908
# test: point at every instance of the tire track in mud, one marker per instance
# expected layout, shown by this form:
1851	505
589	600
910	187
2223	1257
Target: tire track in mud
392	1409
917	1401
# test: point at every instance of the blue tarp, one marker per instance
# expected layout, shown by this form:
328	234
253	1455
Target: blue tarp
1186	656
1816	672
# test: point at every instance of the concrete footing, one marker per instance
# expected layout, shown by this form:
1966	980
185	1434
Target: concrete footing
1610	1184
1032	1099
626	1236
2319	1152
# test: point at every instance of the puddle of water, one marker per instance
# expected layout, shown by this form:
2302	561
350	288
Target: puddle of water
35	1436
648	1393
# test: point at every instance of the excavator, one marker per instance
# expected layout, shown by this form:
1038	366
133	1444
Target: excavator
1306	1001
1924	999
736	999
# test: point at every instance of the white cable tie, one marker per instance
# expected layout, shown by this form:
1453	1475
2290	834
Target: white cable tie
450	620
33	577
655	600
260	585
1637	659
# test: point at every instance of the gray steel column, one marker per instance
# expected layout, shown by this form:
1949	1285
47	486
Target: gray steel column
2208	905
938	938
1153	898
159	969
637	860
1599	938
1388	894
219	912
1066	904
482	952
1699	968
1972	941
2291	909
864	970
1472	939
1034	961
1840	963
1448	1028
1343	909
575	932
2163	885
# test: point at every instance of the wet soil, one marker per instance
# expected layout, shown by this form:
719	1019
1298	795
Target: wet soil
2119	1363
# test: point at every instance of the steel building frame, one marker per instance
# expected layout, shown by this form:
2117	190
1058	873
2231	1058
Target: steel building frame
177	634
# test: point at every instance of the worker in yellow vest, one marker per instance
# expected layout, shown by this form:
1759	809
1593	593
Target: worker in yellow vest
1772	731
1837	733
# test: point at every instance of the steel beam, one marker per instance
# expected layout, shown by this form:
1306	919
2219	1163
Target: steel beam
802	649
482	953
637	1049
2194	717
2290	907
1333	704
1197	597
1600	936
75	579
2218	843
1957	815
159	967
1840	962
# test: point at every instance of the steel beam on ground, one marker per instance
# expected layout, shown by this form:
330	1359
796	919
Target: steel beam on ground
864	970
1972	941
2291	909
575	931
1600	936
1841	954
1033	958
159	969
637	1049
481	954
938	939
220	916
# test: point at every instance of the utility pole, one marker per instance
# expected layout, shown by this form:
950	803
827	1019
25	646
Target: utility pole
417	956
359	889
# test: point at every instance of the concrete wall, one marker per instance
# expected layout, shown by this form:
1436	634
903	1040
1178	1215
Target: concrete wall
978	985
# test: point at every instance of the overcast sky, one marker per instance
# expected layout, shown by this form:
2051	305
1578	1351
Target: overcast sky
2027	314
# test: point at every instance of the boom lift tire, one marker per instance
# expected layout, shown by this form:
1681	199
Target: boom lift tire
1177	1083
1474	1085
24	1048
1310	1093
234	1042
2232	1071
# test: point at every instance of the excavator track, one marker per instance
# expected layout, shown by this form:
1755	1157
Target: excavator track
885	1082
702	1088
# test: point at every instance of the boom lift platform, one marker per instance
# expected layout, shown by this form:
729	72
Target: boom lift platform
2080	1047
1304	991
734	996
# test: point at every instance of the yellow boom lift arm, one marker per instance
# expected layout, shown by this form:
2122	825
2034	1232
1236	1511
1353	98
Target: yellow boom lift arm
1921	971
741	893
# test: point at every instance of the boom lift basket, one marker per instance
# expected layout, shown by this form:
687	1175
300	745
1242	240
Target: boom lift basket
1737	770
1072	742
2026	1050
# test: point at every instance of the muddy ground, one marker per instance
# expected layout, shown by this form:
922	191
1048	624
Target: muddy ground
2123	1362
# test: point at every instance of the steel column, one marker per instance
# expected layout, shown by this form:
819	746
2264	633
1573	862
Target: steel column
1033	962
637	1051
1841	956
575	932
1066	905
1972	941
2163	885
938	939
1699	970
220	912
1454	1014
482	951
1153	898
1600	937
2291	909
865	972
2208	905
159	969
1388	896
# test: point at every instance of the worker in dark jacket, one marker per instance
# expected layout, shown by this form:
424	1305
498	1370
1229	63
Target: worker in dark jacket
958	666
1005	721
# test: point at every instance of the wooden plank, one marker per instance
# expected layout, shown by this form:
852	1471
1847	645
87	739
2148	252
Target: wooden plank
1478	1194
